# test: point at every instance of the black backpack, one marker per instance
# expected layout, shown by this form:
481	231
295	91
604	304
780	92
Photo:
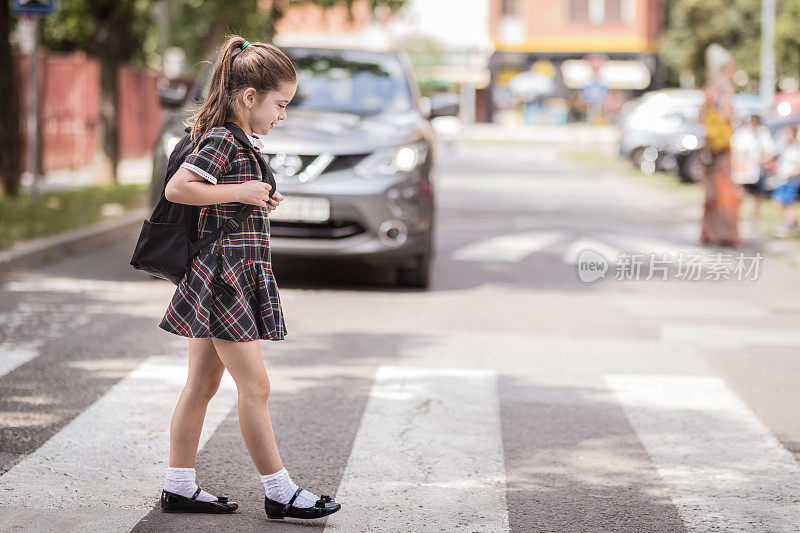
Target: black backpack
168	240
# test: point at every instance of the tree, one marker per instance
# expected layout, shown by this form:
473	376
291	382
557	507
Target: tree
694	24
115	32
122	31
9	156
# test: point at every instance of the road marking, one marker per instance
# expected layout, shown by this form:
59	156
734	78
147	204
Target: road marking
508	248
725	470
13	357
609	253
672	251
730	337
74	285
428	455
104	470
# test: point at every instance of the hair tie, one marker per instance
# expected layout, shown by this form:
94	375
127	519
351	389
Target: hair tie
245	44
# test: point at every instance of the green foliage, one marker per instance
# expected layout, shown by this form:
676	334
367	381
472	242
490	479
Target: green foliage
90	25
56	212
694	24
198	26
787	39
735	24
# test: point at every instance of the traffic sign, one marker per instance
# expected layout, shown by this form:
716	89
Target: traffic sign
34	7
594	93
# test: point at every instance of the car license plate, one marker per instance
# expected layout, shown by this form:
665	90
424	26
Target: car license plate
302	209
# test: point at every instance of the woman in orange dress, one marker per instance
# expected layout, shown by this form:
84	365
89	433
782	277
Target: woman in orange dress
721	206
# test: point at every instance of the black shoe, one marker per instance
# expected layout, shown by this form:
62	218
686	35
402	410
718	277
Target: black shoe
323	507
175	503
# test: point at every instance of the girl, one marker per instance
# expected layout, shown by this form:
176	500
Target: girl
229	298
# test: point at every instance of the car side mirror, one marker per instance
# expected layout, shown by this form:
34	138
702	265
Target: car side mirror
172	96
444	105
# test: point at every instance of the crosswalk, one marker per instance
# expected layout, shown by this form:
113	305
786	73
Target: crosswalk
428	452
427	455
114	451
515	247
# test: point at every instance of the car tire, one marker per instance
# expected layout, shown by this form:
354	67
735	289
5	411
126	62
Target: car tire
419	275
637	155
690	168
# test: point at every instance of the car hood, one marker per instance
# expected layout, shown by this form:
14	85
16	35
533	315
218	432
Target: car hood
315	132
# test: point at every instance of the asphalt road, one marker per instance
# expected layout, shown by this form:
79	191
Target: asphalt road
515	395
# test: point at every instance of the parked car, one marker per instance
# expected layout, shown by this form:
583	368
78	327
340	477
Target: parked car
353	161
655	124
662	131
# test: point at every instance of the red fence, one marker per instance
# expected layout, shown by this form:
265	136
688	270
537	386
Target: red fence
69	109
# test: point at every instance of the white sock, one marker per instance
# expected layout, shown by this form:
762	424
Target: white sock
280	487
181	481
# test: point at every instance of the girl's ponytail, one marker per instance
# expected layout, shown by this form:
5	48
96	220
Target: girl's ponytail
258	65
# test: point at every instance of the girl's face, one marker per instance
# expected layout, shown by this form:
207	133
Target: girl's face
264	114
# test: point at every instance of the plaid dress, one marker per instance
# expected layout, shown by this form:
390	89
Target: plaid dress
229	291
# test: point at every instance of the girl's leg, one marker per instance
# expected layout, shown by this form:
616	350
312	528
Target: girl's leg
245	363
205	373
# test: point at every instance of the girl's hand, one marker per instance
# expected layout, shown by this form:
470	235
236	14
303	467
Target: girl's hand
274	201
254	192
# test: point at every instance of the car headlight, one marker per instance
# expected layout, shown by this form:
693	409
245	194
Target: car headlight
689	142
390	161
170	142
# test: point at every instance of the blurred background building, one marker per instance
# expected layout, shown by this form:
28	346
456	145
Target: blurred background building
563	60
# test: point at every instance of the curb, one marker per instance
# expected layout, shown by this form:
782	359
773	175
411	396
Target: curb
35	252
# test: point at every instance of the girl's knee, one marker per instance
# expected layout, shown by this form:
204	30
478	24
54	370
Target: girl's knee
205	389
202	392
255	389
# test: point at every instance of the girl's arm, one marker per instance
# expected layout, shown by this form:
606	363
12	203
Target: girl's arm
186	187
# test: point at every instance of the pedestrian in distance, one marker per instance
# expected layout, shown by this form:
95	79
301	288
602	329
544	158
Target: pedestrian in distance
228	299
721	205
787	180
764	156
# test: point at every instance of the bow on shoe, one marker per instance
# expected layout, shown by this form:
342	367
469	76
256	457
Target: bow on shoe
322	500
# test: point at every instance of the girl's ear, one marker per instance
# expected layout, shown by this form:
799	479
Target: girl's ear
249	97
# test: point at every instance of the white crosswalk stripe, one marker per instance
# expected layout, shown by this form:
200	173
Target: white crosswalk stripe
608	252
729	337
118	447
508	248
12	356
429	440
725	470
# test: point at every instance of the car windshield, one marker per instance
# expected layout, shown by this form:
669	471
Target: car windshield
349	82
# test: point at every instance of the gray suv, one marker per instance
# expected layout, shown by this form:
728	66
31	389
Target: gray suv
353	161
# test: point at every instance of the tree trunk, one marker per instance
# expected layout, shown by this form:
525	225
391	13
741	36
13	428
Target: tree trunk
9	114
107	157
114	42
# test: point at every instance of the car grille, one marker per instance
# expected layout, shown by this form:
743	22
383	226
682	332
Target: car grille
333	229
339	162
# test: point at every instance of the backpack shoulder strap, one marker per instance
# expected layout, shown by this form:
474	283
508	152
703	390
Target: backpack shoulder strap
241	136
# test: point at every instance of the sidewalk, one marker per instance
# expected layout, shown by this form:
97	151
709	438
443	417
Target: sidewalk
576	134
137	170
31	253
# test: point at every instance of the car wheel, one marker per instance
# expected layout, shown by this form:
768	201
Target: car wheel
418	276
690	168
637	156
